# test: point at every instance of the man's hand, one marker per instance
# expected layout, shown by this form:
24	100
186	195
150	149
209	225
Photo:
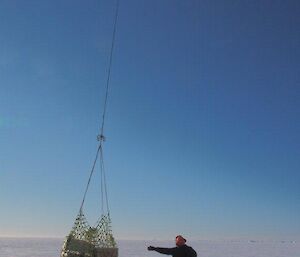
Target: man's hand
151	248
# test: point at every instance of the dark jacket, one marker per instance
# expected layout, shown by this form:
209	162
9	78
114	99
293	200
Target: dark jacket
179	251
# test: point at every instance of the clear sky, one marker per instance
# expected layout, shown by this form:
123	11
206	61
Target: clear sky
202	125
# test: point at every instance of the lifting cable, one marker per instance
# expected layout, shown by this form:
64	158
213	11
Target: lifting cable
101	137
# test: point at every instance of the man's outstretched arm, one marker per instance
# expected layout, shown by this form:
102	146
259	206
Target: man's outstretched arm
162	250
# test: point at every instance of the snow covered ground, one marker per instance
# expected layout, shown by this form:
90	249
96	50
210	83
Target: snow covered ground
29	247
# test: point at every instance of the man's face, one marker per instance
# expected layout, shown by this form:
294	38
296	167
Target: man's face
179	241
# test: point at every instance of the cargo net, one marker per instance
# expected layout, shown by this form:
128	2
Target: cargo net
87	241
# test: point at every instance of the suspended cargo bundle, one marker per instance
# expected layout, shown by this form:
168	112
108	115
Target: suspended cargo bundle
88	241
94	241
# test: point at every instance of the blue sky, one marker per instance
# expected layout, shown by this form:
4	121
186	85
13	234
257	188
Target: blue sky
202	125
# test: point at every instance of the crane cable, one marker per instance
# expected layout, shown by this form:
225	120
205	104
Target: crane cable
101	137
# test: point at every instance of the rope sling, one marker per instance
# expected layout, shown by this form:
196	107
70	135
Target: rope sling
95	241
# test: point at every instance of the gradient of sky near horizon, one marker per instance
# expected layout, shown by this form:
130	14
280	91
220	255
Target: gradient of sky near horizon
202	125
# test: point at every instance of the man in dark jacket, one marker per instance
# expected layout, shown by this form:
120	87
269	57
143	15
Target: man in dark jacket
181	249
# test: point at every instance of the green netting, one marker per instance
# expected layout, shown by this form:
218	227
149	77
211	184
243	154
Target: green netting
87	241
